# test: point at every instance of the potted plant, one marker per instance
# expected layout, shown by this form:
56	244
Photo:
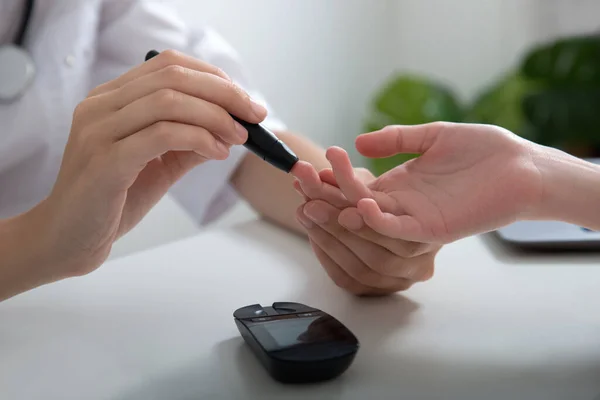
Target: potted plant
552	98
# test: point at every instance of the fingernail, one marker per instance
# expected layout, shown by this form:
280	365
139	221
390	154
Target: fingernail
316	213
352	222
240	131
258	110
307	223
221	148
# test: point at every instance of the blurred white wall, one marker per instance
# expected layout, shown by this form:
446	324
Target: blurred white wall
571	17
316	61
463	43
469	43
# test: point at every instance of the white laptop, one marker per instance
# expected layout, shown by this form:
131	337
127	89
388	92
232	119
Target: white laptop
550	235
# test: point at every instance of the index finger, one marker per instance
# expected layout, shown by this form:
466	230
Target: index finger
346	180
314	188
162	60
350	184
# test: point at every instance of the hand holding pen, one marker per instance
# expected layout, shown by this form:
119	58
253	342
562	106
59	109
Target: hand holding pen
260	140
131	139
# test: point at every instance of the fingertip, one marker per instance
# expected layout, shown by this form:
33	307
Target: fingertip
222	157
366	136
302	218
335	152
302	170
335	149
370	135
316	203
340	163
368	205
370	212
351	219
296	170
320	212
222	150
326	172
379	143
241	133
328	176
260	112
361	143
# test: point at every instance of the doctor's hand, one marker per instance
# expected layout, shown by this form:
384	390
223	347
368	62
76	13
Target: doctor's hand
131	139
469	179
361	261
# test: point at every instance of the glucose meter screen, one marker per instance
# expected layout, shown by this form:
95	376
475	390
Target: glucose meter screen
289	332
293	331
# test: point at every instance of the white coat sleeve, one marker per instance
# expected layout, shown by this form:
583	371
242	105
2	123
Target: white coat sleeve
128	29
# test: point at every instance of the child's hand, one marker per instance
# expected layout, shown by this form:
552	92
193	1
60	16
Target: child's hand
361	261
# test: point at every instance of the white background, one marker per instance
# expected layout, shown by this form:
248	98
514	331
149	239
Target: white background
318	62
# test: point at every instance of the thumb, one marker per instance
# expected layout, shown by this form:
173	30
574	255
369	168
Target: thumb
398	139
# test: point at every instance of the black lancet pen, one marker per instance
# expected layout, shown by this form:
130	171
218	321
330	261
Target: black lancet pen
262	142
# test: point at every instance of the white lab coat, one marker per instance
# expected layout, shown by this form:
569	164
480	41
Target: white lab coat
77	45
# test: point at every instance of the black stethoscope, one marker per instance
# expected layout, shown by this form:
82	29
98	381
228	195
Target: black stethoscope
17	68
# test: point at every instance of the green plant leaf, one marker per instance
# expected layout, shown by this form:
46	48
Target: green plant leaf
565	116
565	111
501	105
412	100
569	61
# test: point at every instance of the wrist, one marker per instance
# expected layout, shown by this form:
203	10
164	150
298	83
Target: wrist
571	188
25	261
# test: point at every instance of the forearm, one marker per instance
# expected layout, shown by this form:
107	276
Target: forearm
270	191
22	263
571	188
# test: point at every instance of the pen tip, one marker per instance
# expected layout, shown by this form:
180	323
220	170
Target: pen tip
151	54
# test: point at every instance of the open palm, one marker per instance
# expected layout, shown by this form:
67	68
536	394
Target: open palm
469	179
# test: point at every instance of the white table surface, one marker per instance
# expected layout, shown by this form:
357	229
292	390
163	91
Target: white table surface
158	325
